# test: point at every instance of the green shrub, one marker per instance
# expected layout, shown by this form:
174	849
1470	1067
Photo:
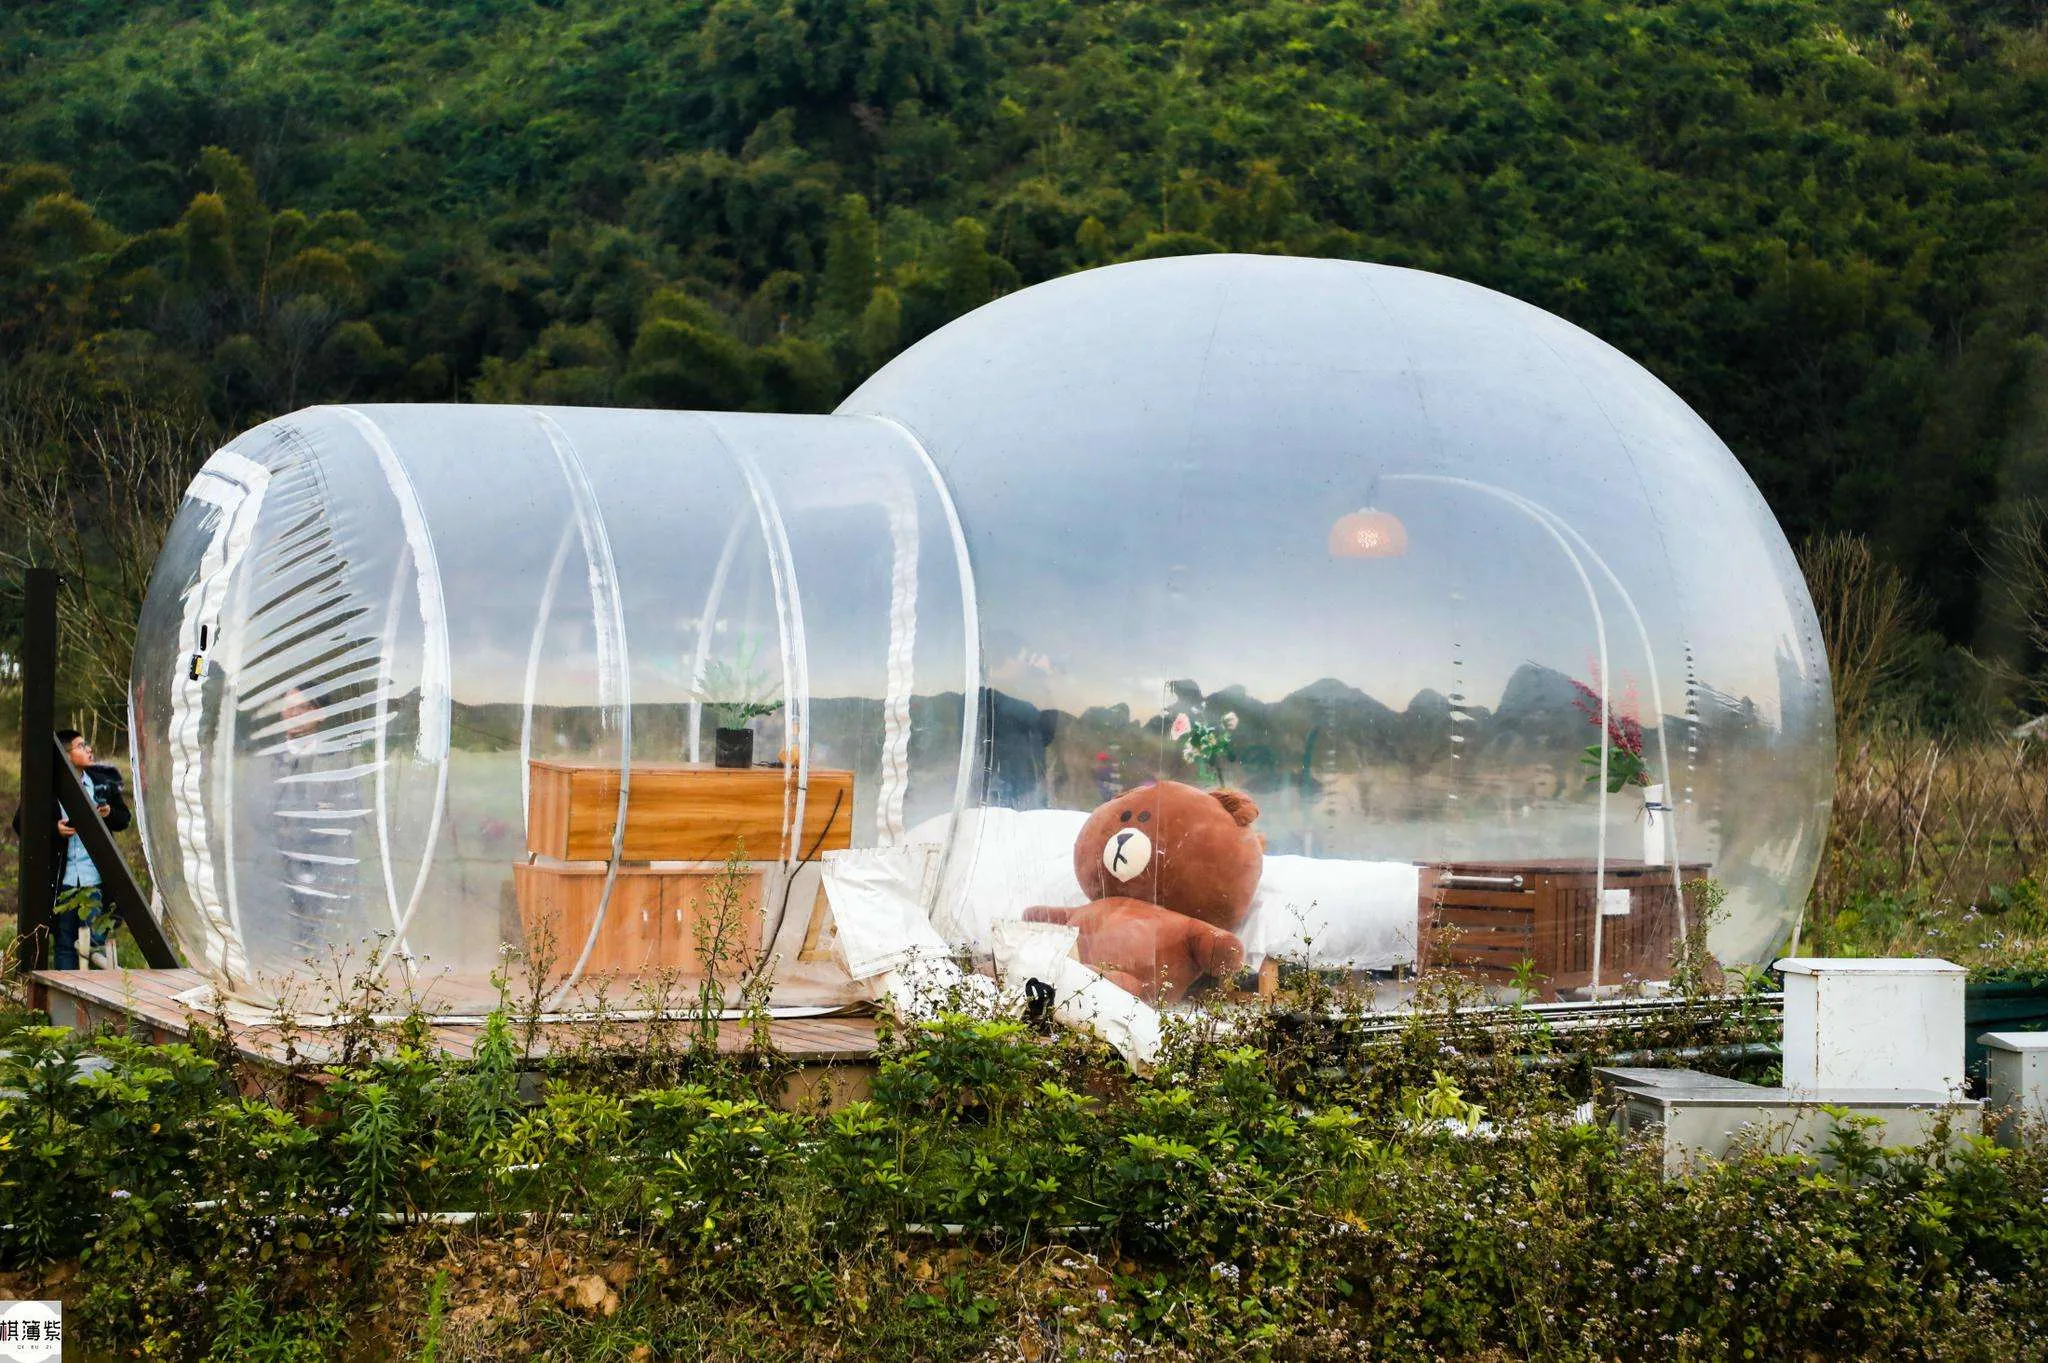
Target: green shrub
1294	1193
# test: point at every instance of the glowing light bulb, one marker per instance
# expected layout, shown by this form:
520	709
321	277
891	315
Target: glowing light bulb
1368	534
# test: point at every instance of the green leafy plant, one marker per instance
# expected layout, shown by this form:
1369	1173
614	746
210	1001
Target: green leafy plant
737	691
1206	746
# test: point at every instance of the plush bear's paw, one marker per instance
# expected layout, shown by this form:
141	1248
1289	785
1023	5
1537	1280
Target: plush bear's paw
1220	953
1048	914
1153	952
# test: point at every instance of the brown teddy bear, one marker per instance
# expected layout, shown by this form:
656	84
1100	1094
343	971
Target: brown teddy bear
1172	871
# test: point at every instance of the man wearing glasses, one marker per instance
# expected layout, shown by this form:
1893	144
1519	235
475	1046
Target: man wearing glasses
79	902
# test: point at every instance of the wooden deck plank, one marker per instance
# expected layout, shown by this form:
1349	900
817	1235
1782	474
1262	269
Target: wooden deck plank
148	996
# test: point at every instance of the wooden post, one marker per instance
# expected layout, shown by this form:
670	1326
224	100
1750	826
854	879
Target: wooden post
38	814
1269	978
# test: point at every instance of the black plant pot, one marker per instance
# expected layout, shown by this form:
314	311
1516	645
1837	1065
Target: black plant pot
734	748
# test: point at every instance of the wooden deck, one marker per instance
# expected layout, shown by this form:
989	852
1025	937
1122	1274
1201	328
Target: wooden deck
837	1053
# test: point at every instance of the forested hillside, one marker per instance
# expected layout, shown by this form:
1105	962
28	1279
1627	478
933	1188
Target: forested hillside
1824	222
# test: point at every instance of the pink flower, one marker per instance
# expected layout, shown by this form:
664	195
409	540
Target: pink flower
1624	731
1181	725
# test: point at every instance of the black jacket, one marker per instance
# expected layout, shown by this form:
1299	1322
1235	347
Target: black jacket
106	782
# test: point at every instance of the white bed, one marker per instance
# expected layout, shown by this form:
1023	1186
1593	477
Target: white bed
1358	915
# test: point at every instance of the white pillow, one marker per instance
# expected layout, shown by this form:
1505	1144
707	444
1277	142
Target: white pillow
1003	862
1355	915
878	896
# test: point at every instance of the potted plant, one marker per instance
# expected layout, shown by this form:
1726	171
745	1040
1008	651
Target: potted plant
1627	764
735	696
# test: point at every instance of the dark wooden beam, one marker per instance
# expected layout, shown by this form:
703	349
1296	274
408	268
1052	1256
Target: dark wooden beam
117	882
38	815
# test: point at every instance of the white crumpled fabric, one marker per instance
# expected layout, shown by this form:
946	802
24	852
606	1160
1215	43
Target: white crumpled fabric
1081	997
877	897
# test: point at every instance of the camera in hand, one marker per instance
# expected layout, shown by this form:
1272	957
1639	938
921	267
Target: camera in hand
106	782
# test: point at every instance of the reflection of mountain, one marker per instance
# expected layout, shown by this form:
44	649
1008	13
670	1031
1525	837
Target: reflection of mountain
1537	718
1331	731
1328	731
1335	726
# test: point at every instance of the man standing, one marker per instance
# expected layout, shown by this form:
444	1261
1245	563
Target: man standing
79	903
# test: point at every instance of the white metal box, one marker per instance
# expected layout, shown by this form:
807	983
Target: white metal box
1709	1123
1873	1024
2016	1075
1697	1117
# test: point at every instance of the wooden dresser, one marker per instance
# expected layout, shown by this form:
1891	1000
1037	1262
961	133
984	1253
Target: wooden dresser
1485	918
683	821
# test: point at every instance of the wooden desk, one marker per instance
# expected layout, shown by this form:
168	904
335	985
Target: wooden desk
1488	929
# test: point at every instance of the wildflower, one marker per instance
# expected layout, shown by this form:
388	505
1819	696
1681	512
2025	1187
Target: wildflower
1181	725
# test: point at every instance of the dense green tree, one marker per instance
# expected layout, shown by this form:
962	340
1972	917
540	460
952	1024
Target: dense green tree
1823	222
572	365
683	357
851	258
880	330
968	270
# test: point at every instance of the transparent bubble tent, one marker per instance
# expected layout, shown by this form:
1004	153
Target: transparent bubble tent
412	682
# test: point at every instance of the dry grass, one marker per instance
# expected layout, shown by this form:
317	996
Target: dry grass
91	494
1939	843
1867	612
1939	847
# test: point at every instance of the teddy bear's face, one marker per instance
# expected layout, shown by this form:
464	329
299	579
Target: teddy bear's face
1172	845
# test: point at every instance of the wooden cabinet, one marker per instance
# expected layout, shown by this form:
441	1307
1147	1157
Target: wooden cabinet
655	920
680	811
1487	917
683	821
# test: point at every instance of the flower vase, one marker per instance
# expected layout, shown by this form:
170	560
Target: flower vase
1653	825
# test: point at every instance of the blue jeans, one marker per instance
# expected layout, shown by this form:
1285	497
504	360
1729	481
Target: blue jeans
77	906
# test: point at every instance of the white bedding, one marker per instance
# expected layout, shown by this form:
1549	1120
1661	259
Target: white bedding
1003	862
1340	914
1353	915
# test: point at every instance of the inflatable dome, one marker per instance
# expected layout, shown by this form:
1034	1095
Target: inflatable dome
1503	644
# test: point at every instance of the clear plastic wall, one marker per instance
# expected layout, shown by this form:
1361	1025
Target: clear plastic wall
367	622
1396	538
1151	462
